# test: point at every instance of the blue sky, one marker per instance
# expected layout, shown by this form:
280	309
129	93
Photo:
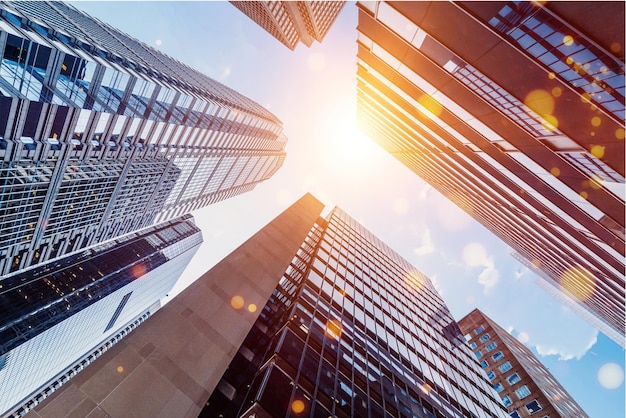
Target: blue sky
312	90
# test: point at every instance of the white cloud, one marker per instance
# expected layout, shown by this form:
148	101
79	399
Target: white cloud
423	191
475	255
567	351
426	245
520	272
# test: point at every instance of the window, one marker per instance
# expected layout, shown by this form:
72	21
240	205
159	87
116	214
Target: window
522	392
484	338
479	330
491	346
478	354
506	401
484	364
506	366
497	356
533	406
498	387
515	414
513	379
491	375
473	345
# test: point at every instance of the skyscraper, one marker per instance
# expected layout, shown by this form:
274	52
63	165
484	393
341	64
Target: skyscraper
170	365
102	135
292	22
353	330
321	319
525	385
57	318
515	112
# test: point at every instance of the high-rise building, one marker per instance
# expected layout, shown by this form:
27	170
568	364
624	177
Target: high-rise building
169	365
526	386
102	135
292	22
316	315
353	330
58	317
515	112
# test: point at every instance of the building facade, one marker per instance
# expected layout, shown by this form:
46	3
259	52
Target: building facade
102	135
526	386
169	365
57	318
292	22
515	112
353	330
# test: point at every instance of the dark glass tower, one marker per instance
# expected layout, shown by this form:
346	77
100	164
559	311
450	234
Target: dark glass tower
57	318
353	330
515	112
102	135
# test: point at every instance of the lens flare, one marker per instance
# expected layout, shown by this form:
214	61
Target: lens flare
138	270
333	329
578	282
540	101
568	40
431	104
555	171
120	369
297	406
620	133
237	302
597	151
414	281
252	307
596	121
611	375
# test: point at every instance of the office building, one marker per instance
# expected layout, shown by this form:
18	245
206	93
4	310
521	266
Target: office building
58	317
292	22
526	386
515	112
102	135
330	319
169	365
353	330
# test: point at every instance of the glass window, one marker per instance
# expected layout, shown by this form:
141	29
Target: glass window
484	338
514	378
498	387
491	375
506	366
506	401
490	346
522	392
479	330
515	414
473	345
533	406
484	364
478	354
497	356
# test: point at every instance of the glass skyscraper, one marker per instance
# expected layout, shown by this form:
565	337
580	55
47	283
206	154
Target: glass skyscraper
353	330
292	22
515	112
57	318
102	135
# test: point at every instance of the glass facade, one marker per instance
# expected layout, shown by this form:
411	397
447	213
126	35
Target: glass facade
292	22
54	314
504	145
353	330
101	135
